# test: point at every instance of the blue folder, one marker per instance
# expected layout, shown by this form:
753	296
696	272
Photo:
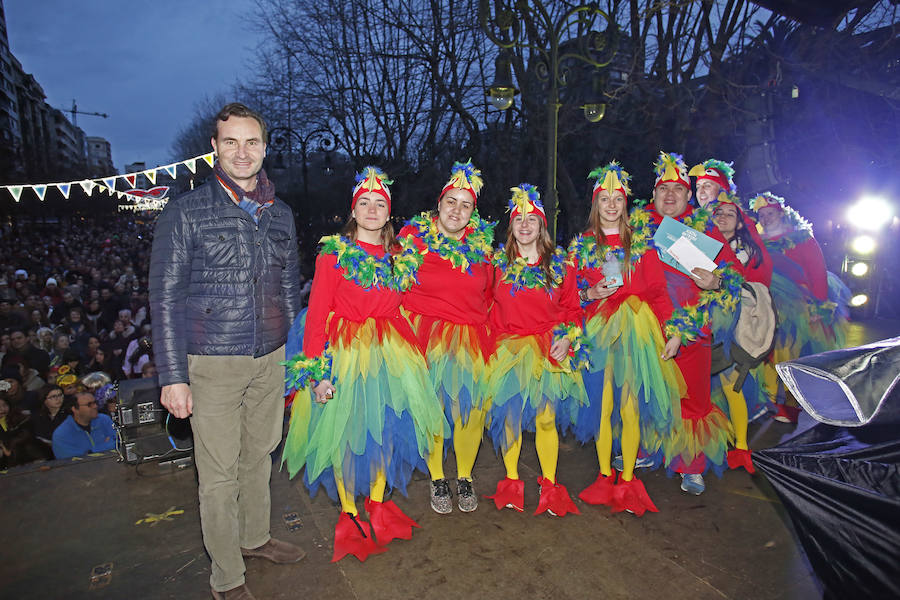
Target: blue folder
670	230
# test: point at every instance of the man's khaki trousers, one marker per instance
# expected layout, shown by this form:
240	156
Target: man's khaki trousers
237	422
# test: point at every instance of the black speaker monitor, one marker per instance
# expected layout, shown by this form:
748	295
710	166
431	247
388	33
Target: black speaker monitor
147	431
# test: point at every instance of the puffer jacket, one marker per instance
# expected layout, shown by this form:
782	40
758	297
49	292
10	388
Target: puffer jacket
220	284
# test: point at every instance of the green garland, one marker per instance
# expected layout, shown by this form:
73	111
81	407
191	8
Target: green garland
395	272
586	253
579	346
700	219
406	264
524	276
475	247
302	370
689	321
787	241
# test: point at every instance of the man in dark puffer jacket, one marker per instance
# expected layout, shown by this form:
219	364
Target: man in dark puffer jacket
224	289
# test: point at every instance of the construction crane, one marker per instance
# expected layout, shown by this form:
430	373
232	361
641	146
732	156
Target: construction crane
74	111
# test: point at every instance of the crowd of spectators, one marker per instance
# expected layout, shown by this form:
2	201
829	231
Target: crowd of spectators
74	319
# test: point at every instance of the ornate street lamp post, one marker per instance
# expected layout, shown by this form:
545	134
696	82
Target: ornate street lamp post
575	35
280	141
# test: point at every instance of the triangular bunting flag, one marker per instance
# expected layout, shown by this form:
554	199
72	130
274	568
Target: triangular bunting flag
210	158
110	182
40	190
119	194
88	186
64	189
171	170
191	164
151	175
16	191
131	178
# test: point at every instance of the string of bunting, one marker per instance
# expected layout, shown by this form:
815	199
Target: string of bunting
107	185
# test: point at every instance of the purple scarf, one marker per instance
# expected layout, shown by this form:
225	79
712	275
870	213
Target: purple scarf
263	194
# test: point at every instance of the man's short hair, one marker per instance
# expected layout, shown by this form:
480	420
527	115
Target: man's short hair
76	403
236	109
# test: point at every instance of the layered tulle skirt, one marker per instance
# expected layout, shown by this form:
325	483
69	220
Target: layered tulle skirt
625	353
523	381
806	325
383	417
457	363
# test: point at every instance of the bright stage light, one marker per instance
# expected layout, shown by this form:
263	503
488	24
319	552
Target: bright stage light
859	300
863	244
859	269
870	213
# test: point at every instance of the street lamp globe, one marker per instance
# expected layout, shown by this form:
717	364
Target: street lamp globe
594	111
502	91
501	97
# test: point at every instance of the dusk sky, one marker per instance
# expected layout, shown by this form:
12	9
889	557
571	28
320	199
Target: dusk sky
145	64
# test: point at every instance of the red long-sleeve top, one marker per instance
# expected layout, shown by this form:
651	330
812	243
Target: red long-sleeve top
812	274
446	292
331	293
534	311
761	273
646	281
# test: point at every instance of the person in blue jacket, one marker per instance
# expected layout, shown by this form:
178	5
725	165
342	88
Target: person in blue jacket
84	431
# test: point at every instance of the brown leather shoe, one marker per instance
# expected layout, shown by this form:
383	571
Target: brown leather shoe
280	553
241	592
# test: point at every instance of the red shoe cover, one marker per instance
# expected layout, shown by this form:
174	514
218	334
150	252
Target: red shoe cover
632	496
738	458
555	498
389	522
510	491
353	536
600	492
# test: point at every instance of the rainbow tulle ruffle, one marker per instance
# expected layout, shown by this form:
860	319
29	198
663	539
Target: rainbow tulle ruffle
792	333
695	438
828	320
383	417
456	356
522	381
626	349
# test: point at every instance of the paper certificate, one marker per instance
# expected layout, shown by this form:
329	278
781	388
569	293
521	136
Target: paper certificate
689	256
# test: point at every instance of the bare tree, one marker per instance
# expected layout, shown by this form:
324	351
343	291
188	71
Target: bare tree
193	138
401	82
397	82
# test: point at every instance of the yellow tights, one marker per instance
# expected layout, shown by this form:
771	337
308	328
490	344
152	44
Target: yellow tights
466	441
376	493
631	432
546	440
737	408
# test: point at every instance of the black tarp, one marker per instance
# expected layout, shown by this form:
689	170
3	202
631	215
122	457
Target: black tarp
840	479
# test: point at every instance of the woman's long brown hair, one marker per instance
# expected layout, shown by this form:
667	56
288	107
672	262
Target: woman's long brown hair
545	249
595	226
387	234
